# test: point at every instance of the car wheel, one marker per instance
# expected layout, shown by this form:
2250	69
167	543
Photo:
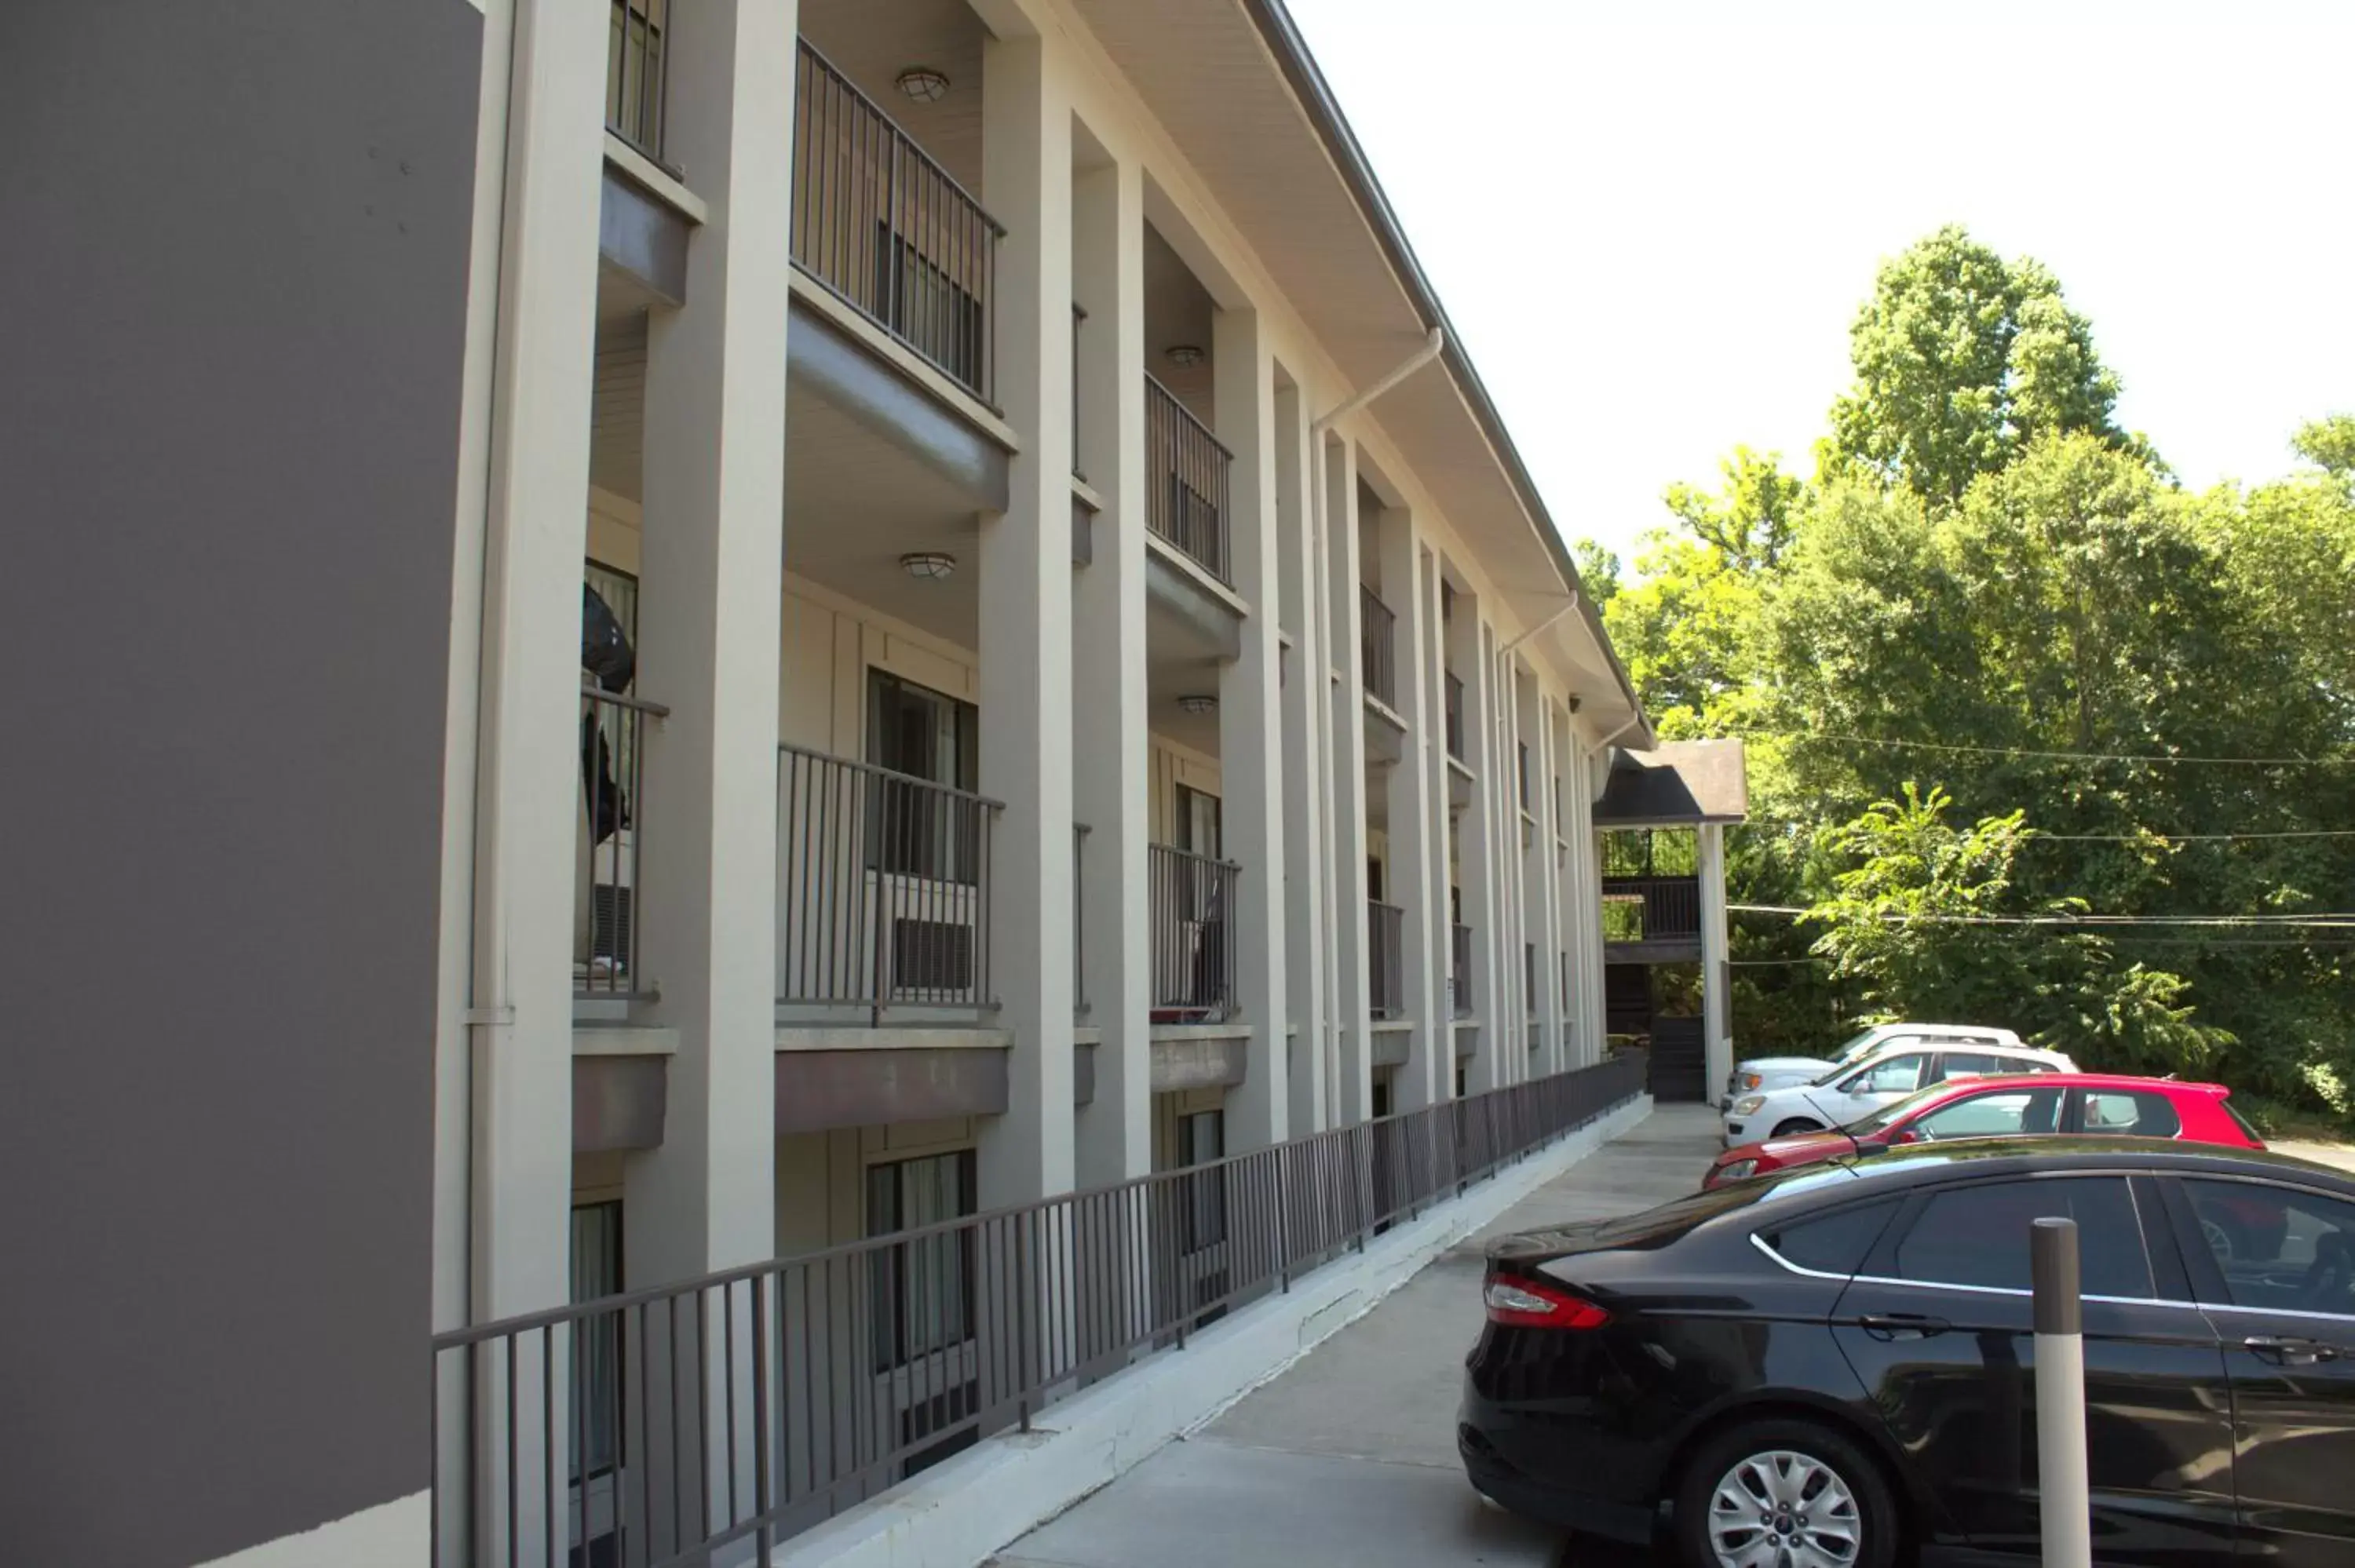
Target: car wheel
1797	1125
1784	1493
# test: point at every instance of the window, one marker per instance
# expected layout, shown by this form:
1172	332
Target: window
1978	1235
597	1365
922	1290
1199	822
1202	1140
922	734
1833	1243
1993	1116
1896	1075
1972	1065
2279	1247
2138	1113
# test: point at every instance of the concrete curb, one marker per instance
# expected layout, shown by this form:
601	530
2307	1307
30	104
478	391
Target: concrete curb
957	1514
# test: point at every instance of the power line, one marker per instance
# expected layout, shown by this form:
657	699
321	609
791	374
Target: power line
2332	921
2154	758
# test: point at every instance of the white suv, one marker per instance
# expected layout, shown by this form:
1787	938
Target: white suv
1859	1088
1760	1073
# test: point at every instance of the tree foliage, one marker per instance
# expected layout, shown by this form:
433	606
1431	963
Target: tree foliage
1991	606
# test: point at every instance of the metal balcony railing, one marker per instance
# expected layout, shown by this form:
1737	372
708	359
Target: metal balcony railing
1377	646
612	788
1460	968
1650	908
1193	936
1455	709
889	230
1386	958
637	74
1186	479
1078	920
883	885
690	1422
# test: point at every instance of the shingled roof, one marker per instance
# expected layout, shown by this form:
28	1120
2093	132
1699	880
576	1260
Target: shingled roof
1680	783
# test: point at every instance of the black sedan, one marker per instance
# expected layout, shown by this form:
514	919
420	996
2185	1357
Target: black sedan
1837	1366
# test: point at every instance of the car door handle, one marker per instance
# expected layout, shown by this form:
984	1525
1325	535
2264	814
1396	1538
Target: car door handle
1901	1325
2289	1349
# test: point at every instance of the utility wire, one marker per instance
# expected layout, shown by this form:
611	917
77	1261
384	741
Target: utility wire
2158	758
2332	921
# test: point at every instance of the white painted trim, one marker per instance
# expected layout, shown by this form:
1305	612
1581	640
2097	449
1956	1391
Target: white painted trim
968	1507
389	1535
859	1037
662	187
1200	574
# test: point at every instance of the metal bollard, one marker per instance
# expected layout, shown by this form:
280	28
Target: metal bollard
2066	1505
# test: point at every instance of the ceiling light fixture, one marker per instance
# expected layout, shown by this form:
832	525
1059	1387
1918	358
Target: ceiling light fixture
929	565
922	83
1186	356
1198	703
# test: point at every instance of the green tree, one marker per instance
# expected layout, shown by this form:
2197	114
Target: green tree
1748	521
1961	359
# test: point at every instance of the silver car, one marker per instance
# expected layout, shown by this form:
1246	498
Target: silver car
1854	1090
1762	1072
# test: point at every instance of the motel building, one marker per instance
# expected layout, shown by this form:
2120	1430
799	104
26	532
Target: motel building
1091	789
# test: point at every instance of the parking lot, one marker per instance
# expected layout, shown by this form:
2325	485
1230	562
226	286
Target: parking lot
1349	1455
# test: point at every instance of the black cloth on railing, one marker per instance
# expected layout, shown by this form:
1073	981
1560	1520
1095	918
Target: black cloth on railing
607	658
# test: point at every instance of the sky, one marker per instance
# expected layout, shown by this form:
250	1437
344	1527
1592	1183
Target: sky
1653	223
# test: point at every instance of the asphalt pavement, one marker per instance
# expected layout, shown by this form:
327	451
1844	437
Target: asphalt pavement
1349	1455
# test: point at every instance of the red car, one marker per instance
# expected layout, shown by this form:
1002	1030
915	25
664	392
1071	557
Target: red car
2010	1106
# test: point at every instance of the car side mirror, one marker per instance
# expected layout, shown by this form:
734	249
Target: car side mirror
1904	1135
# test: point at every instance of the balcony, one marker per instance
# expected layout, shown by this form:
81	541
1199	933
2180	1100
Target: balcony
1386	958
1455	709
1187	470
1193	900
1460	968
1651	919
612	772
883	885
888	231
1377	647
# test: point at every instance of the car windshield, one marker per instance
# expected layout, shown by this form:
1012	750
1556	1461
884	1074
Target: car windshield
1854	1046
1839	1069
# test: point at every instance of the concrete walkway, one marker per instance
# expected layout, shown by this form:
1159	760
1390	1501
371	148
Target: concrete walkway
1349	1457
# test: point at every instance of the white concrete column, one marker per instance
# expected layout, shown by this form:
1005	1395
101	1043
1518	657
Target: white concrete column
1250	729
1585	886
1110	782
1352	1088
1442	828
1026	625
1483	901
1512	1055
1304	804
1717	999
1534	843
709	615
1553	809
1417	818
519	1013
531	762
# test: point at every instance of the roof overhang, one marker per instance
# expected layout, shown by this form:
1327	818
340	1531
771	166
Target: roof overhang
1678	784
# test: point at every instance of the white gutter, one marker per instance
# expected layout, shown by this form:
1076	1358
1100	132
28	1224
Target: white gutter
1570	604
1432	348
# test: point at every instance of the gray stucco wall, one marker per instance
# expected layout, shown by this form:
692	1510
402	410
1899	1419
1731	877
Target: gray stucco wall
235	268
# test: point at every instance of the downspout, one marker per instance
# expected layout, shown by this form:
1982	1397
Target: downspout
1321	611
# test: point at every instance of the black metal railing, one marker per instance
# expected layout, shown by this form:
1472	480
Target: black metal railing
1079	318
1194	947
612	844
1460	968
1078	920
1530	976
883	887
1386	958
1650	908
889	230
1186	480
1454	701
667	1426
1377	646
1522	763
637	74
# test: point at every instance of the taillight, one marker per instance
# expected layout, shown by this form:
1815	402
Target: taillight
1516	1301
